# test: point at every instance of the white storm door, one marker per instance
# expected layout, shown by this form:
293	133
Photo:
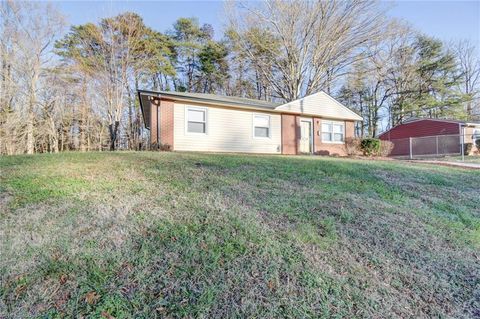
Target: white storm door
305	136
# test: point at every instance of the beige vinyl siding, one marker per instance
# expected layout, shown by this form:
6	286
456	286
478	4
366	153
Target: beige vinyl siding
321	105
228	130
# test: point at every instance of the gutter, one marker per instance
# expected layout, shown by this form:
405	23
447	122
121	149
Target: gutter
233	104
206	100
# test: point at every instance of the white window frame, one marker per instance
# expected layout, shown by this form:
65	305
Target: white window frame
269	126
196	108
342	123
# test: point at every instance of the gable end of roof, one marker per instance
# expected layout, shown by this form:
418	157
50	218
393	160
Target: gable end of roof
330	109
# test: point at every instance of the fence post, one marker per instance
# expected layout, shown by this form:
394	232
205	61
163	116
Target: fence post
410	143
437	143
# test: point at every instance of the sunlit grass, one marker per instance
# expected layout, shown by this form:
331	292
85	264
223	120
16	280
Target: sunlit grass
149	235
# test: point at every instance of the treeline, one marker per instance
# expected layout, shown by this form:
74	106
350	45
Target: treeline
75	88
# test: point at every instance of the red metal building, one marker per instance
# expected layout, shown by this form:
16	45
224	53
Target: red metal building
451	132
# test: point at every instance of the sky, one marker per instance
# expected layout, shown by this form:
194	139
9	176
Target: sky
446	20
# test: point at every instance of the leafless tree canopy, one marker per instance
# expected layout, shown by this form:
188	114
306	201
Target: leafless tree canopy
307	44
469	64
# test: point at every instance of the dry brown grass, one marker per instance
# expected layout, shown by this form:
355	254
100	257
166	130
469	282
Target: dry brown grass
191	235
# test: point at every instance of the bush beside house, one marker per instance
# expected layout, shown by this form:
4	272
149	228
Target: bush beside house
370	146
352	146
386	148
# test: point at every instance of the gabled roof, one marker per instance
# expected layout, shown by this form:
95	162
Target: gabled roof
320	104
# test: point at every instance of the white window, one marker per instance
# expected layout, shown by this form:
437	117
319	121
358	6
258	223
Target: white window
261	125
333	131
196	120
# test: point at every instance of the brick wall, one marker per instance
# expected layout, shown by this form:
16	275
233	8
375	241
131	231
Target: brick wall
330	148
166	122
289	134
161	122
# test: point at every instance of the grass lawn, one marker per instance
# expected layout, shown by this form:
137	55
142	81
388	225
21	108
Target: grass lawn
153	235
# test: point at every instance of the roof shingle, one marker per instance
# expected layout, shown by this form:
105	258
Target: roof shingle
219	98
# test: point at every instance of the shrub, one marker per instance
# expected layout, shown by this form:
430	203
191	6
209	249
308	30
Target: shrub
352	145
370	146
467	148
386	148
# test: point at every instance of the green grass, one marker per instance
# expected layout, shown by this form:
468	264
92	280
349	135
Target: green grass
154	235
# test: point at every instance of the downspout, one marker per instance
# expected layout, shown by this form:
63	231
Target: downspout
281	134
462	146
297	134
157	110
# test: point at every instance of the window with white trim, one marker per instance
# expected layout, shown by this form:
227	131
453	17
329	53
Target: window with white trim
333	131
196	120
261	125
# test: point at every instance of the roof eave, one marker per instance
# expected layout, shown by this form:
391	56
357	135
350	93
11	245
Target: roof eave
149	93
207	100
141	109
275	109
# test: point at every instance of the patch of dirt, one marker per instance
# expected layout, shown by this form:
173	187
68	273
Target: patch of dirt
5	199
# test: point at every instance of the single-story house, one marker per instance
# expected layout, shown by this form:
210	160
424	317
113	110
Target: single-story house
315	124
431	136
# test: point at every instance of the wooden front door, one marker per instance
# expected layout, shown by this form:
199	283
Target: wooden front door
305	136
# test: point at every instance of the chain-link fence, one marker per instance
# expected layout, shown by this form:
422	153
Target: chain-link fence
435	146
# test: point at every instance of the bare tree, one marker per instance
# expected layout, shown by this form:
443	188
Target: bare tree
310	43
8	118
35	26
469	63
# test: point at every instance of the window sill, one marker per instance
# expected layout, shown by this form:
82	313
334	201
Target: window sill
196	134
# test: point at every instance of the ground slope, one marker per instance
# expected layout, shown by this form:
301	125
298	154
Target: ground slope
193	235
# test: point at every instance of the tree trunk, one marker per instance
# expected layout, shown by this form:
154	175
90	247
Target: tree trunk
29	129
83	117
113	129
30	115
